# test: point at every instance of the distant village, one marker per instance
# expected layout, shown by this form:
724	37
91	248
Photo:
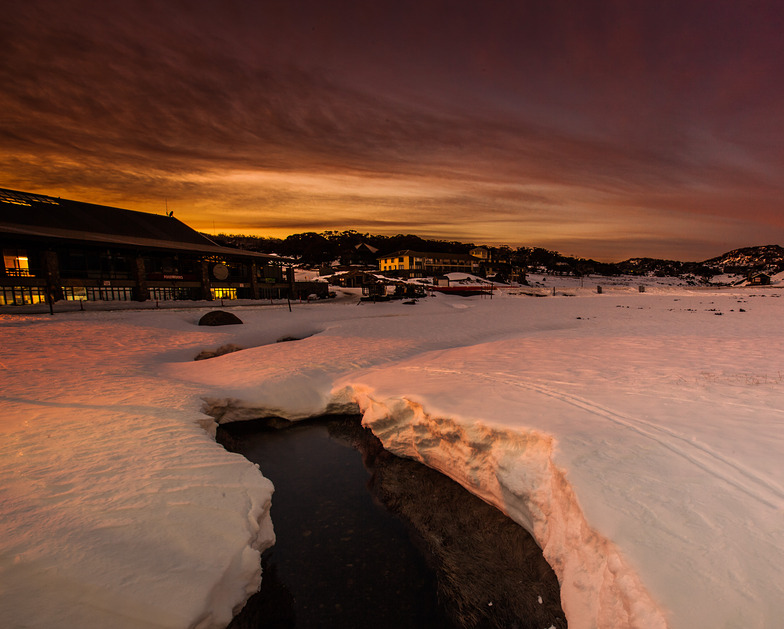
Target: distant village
349	254
62	250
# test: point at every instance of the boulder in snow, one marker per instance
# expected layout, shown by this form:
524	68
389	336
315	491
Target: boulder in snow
219	317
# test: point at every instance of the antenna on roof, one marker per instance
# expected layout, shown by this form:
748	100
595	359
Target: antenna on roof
166	201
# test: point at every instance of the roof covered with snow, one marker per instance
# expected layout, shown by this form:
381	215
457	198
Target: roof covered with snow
430	254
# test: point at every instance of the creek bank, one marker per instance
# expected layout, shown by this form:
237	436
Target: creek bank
483	569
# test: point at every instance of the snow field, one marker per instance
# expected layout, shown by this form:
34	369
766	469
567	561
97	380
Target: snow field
649	399
119	510
637	436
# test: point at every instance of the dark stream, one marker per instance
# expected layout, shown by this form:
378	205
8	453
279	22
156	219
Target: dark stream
367	539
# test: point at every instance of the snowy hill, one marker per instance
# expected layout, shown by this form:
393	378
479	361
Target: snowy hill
729	268
764	258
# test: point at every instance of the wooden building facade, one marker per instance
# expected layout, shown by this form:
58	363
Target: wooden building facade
423	264
56	249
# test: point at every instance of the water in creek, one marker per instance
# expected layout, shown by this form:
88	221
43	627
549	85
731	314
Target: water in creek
367	539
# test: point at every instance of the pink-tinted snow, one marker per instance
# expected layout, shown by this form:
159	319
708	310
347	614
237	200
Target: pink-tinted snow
636	435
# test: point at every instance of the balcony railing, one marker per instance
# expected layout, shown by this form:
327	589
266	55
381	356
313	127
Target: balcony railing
14	272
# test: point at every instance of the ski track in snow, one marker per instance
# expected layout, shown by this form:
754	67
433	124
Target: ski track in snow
750	483
104	442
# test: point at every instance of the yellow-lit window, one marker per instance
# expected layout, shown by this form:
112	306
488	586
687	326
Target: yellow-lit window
224	293
16	263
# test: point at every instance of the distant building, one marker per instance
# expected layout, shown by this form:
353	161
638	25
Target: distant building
361	255
499	263
483	253
354	278
758	279
424	264
59	249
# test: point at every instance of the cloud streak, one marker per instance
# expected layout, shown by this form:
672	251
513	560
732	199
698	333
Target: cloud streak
530	123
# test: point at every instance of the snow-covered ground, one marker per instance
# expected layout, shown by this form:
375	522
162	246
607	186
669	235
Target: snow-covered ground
638	436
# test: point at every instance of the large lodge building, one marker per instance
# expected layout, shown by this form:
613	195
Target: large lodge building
55	249
422	264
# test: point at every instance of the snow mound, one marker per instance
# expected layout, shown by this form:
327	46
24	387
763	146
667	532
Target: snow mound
119	509
514	471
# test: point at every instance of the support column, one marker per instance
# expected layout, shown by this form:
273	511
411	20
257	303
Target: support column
254	281
141	291
52	270
206	286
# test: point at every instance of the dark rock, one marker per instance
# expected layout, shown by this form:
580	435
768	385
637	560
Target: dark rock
219	317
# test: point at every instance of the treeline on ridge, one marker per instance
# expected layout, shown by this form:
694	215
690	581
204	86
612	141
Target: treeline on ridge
324	248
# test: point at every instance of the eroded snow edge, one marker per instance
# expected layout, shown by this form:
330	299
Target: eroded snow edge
242	575
514	471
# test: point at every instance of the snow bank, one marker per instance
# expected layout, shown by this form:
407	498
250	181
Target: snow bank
638	437
119	510
515	472
658	500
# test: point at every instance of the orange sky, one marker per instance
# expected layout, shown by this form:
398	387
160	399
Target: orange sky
601	129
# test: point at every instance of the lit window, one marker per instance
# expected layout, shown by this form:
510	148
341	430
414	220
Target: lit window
224	293
16	263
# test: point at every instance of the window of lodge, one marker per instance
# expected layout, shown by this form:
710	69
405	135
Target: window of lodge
109	293
74	293
224	293
16	263
21	295
170	294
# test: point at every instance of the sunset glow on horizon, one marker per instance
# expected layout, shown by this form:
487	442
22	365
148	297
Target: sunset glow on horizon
601	129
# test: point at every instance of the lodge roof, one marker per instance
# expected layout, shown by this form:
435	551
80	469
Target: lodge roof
41	216
429	254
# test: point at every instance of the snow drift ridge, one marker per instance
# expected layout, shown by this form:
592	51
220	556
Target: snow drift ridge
514	472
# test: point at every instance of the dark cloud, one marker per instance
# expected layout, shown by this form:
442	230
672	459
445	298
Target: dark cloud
493	114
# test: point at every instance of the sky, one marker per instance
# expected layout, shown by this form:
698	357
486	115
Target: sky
602	129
